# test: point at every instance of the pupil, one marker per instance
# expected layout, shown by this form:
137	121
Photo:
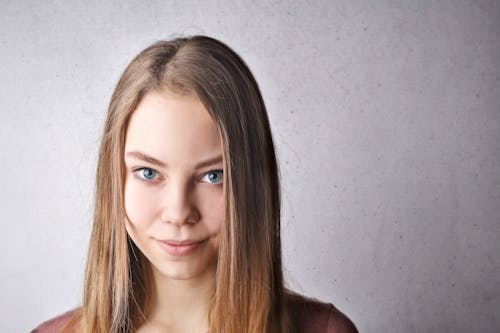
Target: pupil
148	173
214	176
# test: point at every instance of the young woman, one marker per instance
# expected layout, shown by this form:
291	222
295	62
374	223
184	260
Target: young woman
186	234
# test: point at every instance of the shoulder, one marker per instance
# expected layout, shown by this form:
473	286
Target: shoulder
312	316
56	324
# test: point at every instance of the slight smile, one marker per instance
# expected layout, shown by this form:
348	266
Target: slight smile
180	248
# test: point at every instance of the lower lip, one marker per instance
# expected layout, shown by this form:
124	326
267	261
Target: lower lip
180	250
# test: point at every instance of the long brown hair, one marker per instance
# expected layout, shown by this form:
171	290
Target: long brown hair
249	295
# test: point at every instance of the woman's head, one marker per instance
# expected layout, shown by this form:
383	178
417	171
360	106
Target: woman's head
249	287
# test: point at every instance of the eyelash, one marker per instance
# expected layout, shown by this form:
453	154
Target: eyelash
137	170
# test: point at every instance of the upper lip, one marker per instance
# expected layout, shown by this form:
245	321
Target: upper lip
180	242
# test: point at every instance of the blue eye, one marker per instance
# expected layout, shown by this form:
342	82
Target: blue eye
213	176
146	173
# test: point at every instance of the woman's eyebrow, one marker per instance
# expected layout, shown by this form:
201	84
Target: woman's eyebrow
150	159
210	161
145	157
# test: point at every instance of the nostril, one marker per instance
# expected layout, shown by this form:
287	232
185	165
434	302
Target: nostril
188	215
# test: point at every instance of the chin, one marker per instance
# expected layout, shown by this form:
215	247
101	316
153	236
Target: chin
186	270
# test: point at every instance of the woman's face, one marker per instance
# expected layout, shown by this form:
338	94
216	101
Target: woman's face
173	187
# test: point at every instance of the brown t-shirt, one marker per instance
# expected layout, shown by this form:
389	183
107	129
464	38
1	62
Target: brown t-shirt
312	316
308	316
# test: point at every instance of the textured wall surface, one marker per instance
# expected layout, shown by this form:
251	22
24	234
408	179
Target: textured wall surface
386	116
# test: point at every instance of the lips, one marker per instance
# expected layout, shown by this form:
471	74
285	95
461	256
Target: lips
180	248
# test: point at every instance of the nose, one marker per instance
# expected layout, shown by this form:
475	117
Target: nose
178	207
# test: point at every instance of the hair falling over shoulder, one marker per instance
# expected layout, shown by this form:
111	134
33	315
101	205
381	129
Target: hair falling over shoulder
249	296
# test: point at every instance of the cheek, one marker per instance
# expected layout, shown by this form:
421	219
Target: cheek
139	204
211	207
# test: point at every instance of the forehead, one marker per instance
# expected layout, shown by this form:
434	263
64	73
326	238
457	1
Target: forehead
174	128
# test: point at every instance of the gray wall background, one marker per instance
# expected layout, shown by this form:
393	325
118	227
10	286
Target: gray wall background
386	116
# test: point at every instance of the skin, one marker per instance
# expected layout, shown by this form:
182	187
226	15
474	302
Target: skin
180	200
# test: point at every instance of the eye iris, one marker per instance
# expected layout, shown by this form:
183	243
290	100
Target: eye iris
214	176
148	173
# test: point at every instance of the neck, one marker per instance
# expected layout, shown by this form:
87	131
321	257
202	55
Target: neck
181	305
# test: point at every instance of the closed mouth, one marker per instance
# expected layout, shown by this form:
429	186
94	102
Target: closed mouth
180	248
